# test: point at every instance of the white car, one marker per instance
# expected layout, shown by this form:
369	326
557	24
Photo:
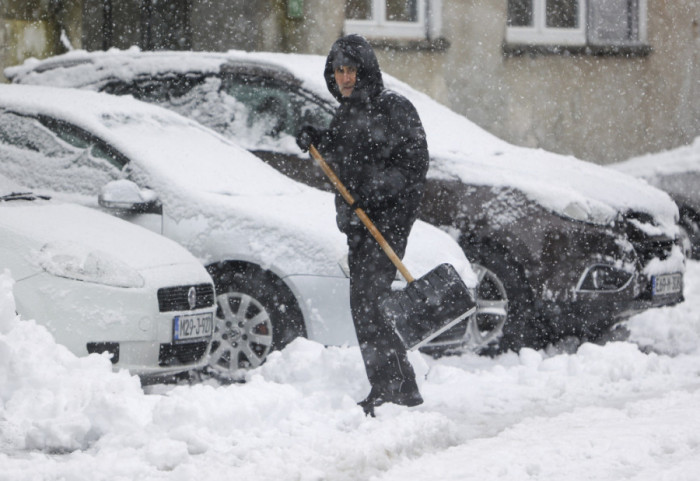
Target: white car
100	284
270	244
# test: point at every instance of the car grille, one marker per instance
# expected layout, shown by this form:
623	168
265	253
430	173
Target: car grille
647	247
176	298
177	354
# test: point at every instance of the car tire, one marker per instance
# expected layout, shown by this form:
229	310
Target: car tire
519	328
256	314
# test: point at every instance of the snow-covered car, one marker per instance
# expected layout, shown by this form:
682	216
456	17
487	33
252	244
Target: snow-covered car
270	243
562	247
677	172
100	284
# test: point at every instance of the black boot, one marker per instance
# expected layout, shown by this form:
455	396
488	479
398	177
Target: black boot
374	398
407	395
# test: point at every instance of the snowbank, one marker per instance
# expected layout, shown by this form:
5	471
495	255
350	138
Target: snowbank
606	413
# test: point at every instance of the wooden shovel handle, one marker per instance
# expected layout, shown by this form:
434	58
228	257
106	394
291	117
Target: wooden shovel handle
361	214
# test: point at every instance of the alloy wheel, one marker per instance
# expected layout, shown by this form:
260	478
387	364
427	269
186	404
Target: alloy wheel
486	325
242	335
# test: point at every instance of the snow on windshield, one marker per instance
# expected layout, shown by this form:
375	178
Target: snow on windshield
195	156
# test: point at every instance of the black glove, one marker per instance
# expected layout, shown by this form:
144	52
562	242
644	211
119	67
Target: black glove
308	135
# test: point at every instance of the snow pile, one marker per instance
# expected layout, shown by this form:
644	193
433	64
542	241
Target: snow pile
52	400
679	331
606	412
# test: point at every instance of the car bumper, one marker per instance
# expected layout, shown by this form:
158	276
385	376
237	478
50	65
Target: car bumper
125	322
592	313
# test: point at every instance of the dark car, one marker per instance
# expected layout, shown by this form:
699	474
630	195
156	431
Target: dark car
562	247
677	172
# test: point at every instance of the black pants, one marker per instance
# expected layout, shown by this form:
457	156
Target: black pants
371	275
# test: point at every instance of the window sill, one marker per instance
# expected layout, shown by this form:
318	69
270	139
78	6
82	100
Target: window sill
439	44
519	50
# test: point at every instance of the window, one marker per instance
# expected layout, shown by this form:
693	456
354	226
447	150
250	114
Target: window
271	110
415	19
597	23
58	155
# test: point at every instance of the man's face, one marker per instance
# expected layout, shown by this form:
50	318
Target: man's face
346	77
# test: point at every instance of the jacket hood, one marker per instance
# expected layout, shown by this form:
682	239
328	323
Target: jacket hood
369	77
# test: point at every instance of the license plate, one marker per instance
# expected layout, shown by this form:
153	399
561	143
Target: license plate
666	284
193	326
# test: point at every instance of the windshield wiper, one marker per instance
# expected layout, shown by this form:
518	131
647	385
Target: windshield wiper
23	196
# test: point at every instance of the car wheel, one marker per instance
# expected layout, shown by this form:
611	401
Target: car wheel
485	327
507	320
256	314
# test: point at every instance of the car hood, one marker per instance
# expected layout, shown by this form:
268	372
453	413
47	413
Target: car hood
52	227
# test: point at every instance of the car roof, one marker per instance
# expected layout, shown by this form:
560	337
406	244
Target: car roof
99	67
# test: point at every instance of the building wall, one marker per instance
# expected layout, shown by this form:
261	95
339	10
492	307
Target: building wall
32	28
599	108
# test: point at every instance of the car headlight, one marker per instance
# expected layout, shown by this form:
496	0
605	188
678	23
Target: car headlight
593	214
603	277
75	261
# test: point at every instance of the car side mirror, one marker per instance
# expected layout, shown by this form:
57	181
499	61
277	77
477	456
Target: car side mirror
126	195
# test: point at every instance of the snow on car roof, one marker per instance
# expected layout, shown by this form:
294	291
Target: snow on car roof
675	161
458	147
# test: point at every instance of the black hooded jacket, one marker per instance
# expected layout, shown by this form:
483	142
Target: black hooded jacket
375	143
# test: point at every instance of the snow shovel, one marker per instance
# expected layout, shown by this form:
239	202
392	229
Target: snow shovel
428	306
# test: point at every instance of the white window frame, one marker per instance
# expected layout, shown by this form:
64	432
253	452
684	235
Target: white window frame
427	25
539	33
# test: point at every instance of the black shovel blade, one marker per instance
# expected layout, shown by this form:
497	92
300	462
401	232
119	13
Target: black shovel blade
428	306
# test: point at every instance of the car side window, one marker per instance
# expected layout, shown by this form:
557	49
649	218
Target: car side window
272	110
159	89
98	151
26	134
40	153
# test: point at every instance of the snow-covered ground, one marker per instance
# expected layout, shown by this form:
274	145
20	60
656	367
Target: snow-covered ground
606	412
